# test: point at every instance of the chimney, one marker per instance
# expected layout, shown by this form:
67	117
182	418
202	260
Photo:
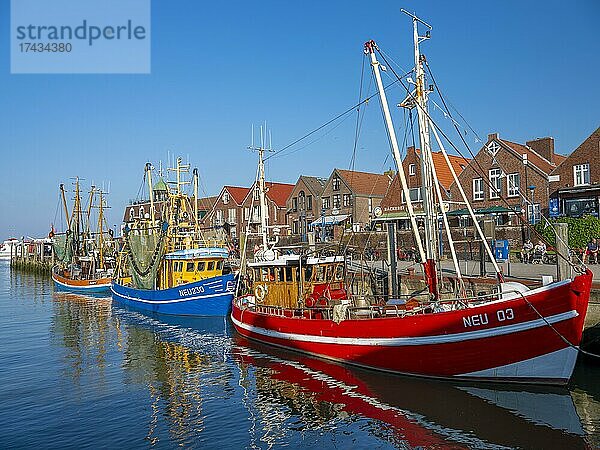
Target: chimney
544	146
493	136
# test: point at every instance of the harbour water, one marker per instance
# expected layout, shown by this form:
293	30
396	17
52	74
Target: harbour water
79	372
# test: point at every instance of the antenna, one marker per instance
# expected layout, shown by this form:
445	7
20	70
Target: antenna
416	18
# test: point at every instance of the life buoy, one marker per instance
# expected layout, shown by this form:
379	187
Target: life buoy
260	292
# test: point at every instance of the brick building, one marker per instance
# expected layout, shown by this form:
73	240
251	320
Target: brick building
503	172
575	183
227	209
393	204
276	197
304	204
350	195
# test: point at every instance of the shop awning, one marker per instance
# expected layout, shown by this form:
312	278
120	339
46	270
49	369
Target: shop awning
396	215
330	220
481	211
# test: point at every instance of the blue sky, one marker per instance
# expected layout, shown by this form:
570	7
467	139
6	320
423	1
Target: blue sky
523	69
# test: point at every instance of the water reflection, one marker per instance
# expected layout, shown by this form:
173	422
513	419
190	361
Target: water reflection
414	412
81	325
179	377
186	379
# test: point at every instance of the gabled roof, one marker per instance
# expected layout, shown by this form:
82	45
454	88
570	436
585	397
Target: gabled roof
594	136
443	171
365	183
533	157
279	192
314	184
238	193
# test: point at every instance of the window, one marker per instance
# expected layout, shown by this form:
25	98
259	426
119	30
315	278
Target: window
219	219
201	266
337	200
495	183
370	205
232	215
141	212
225	197
256	213
256	194
295	227
275	213
412	169
581	174
415	195
326	203
534	213
189	267
309	203
347	200
493	148
478	189
295	204
336	183
130	213
246	213
177	266
219	265
514	181
210	265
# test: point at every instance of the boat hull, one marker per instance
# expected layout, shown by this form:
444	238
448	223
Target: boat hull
520	339
209	297
97	286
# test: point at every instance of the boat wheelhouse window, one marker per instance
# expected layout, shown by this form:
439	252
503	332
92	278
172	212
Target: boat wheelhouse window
288	274
329	273
320	273
189	267
339	272
219	265
210	265
177	266
279	272
201	266
308	271
264	274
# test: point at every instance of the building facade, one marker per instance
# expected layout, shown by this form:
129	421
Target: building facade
353	196
276	198
304	204
575	183
227	211
509	175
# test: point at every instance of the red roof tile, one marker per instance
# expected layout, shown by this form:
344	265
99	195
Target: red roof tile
279	192
532	156
237	193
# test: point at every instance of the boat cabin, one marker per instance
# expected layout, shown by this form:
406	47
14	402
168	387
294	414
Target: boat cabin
292	281
190	265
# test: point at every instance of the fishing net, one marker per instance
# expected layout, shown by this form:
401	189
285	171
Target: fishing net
63	247
145	252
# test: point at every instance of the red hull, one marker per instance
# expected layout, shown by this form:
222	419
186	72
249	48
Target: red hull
502	340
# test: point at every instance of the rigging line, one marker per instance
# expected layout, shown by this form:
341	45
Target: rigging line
330	121
482	171
357	130
291	152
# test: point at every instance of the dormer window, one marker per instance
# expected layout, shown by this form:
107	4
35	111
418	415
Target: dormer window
256	194
225	197
493	148
412	169
336	183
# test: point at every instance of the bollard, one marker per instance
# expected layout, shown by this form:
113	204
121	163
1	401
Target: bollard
563	269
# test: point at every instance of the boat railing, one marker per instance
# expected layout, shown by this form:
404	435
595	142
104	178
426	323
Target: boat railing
387	310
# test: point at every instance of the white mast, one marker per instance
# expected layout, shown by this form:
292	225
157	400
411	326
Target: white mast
150	191
370	49
261	181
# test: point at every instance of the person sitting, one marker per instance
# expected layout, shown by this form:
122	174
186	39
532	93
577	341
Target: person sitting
526	251
540	248
591	252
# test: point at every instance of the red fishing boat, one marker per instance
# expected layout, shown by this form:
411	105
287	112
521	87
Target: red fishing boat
312	303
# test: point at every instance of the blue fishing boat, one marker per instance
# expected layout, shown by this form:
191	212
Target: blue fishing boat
166	265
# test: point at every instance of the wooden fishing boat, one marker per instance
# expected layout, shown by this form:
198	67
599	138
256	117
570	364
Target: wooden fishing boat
166	266
513	333
85	257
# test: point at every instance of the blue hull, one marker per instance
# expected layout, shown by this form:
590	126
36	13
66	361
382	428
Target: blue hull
87	290
210	297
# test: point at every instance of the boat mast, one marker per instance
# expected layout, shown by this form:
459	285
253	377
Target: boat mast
370	47
197	228
427	176
151	193
64	202
76	216
261	182
100	236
